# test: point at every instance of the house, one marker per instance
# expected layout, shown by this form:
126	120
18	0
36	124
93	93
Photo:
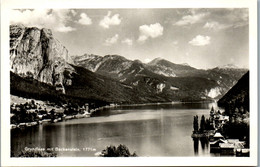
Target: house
218	136
223	119
237	144
214	146
215	142
227	148
243	152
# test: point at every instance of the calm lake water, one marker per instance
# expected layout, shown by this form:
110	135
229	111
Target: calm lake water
151	130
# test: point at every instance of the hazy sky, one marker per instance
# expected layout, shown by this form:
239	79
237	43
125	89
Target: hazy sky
203	38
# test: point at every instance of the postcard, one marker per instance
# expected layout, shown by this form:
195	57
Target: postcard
129	83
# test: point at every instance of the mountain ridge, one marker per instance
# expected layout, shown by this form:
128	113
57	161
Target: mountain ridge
237	96
109	78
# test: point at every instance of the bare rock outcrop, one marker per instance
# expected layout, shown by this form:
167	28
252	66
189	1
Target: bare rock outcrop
34	53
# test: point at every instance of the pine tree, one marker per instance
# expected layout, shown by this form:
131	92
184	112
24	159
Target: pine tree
202	123
195	124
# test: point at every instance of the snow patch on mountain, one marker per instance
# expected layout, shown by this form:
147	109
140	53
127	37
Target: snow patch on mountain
174	88
97	66
214	92
160	87
165	71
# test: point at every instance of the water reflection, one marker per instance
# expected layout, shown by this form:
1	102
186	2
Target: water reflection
204	144
196	145
155	107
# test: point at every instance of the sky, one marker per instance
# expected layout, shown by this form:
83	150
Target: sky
201	37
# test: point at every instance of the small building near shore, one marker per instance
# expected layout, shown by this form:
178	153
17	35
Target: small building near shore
227	148
237	144
214	146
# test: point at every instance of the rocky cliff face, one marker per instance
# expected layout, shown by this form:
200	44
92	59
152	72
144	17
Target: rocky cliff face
34	53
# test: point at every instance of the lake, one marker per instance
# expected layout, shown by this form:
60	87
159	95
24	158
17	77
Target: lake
149	130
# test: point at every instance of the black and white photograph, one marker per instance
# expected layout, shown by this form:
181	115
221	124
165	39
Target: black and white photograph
156	82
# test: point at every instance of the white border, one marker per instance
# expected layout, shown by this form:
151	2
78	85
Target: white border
140	161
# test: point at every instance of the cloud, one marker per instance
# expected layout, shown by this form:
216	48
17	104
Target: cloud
191	19
239	17
112	40
127	41
215	26
107	21
227	18
200	40
84	19
152	30
142	38
65	29
44	18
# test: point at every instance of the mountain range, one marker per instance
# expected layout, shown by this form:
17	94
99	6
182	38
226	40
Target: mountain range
37	57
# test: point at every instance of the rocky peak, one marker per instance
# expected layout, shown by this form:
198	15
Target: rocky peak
16	34
155	61
36	54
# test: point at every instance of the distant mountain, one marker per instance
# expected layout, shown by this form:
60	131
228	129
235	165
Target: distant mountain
110	65
237	96
228	66
167	68
41	66
146	85
130	72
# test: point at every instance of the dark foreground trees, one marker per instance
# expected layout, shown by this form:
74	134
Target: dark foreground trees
120	151
36	153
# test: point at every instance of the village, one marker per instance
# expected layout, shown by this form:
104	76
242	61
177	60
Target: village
211	128
34	113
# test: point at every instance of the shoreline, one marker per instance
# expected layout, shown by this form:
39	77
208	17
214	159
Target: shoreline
173	102
23	125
